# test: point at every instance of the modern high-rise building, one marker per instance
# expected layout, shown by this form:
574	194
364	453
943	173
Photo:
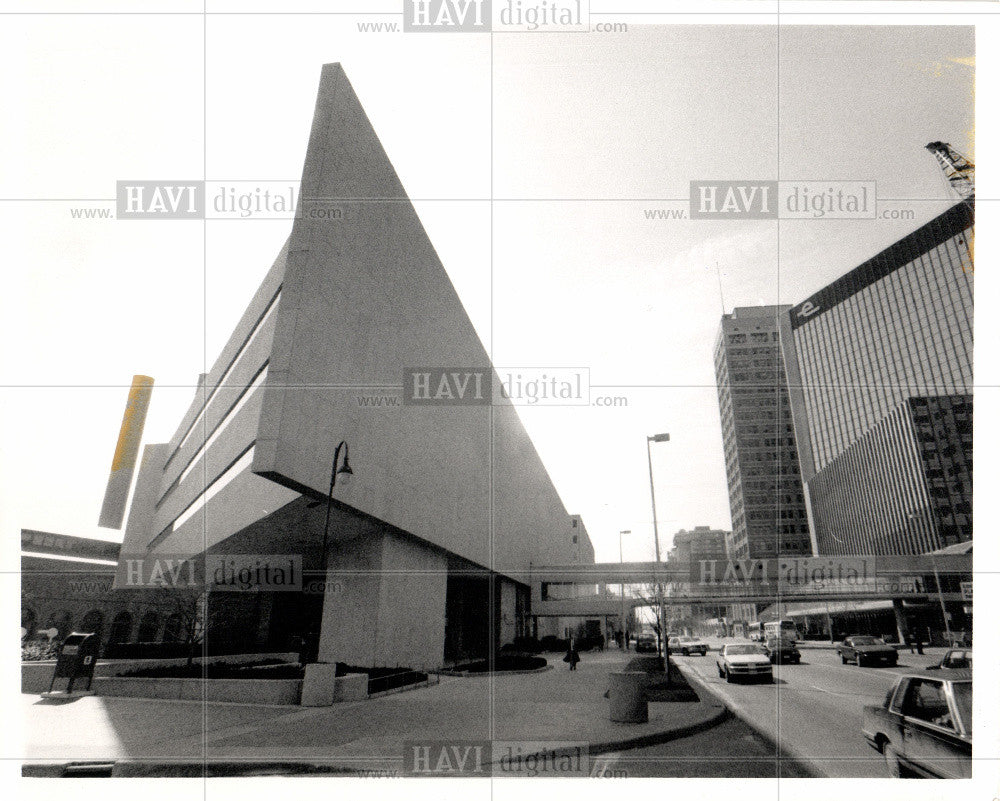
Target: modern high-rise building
880	372
424	557
762	464
702	543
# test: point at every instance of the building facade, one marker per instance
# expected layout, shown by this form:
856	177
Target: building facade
702	543
905	486
424	558
762	464
66	586
880	368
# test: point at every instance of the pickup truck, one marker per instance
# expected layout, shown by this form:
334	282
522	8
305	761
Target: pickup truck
924	726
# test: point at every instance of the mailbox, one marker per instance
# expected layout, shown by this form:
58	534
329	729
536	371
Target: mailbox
77	658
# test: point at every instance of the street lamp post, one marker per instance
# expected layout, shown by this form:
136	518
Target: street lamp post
621	590
345	473
661	617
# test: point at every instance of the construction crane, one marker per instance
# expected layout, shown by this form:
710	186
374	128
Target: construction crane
958	171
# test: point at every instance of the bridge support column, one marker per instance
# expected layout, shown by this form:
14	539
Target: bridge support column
901	625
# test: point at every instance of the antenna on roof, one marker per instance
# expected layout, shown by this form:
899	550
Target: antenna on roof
718	274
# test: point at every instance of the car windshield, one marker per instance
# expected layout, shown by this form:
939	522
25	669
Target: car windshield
686	639
963	700
741	650
866	641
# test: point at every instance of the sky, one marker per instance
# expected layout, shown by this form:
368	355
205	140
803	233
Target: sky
532	164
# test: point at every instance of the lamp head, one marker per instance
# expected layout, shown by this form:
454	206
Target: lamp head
344	473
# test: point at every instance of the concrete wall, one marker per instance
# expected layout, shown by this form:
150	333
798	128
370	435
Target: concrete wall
508	611
162	495
364	298
411	616
384	604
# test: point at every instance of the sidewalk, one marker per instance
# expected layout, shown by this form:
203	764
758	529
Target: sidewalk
553	706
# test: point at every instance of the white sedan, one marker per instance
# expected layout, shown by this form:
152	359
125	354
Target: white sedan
744	660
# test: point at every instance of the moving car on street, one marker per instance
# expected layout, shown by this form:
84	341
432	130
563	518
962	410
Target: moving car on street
645	643
687	646
924	727
744	660
863	649
781	650
955	659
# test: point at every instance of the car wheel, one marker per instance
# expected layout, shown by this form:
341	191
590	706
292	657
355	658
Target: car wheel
729	678
861	662
892	764
721	674
843	659
684	652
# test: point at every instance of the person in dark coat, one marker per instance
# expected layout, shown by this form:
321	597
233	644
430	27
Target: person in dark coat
572	655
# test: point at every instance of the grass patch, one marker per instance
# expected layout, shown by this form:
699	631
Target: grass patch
661	690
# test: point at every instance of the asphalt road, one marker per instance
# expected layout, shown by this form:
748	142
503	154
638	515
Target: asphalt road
731	750
813	710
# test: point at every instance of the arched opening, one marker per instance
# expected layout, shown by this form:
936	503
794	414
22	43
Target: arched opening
28	620
149	627
172	628
93	622
61	620
121	628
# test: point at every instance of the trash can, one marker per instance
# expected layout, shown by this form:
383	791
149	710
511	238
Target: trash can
628	697
77	659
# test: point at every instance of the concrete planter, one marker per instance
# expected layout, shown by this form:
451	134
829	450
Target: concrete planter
271	692
322	687
35	676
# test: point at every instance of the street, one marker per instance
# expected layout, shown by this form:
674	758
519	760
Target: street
731	750
813	709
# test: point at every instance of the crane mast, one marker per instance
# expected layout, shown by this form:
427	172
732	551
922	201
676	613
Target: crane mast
958	171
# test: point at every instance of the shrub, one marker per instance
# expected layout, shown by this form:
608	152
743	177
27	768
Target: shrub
39	650
505	662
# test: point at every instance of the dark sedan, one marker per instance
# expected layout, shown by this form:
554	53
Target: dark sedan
924	727
867	650
782	651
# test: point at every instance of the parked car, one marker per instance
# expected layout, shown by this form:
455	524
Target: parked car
645	643
954	659
687	646
744	660
924	726
863	649
782	650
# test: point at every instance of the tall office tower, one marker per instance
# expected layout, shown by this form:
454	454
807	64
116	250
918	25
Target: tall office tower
880	369
762	465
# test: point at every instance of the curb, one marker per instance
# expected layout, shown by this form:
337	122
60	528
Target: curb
657	738
804	761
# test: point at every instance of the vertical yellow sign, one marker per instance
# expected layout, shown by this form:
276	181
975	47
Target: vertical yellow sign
126	452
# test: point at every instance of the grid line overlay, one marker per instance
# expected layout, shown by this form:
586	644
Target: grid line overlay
492	200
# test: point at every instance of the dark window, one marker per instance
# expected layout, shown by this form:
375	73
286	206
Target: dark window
926	701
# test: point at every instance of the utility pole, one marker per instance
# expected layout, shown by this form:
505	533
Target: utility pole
660	614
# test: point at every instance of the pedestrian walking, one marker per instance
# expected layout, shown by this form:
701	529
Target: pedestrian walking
572	655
